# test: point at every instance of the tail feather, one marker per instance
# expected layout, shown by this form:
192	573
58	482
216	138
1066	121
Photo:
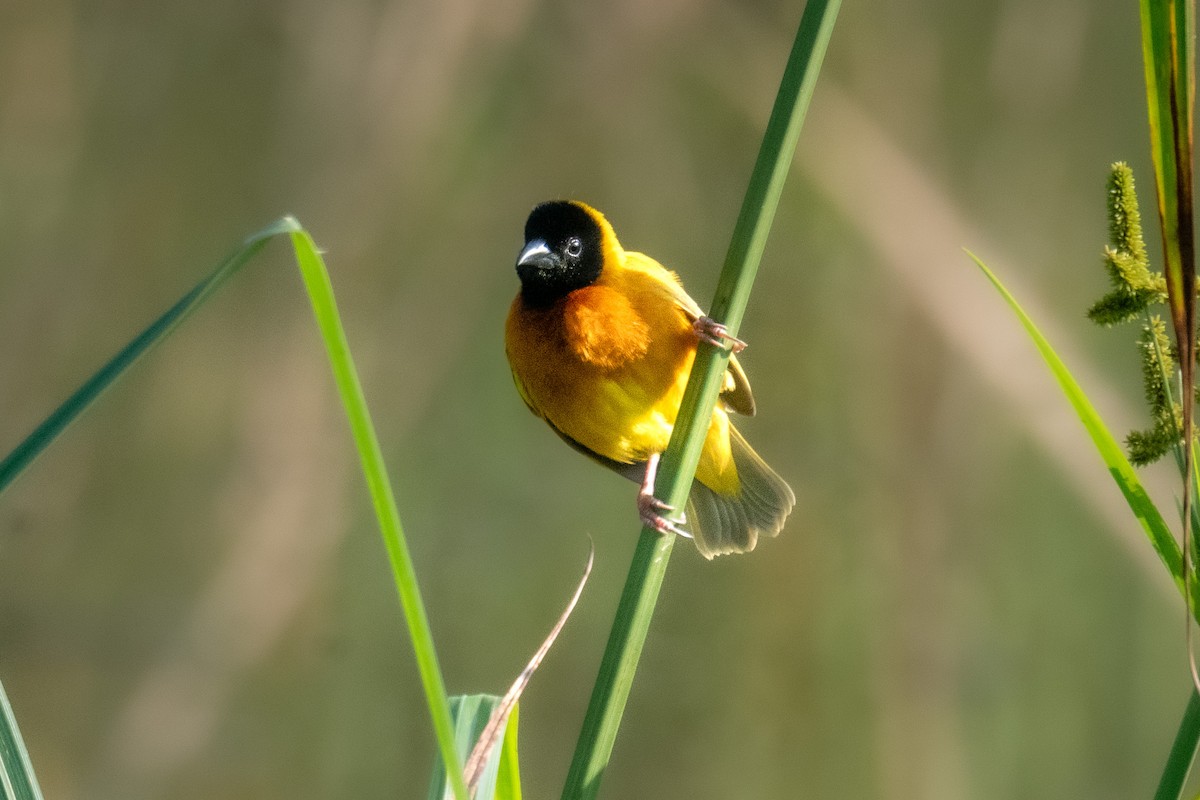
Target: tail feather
724	524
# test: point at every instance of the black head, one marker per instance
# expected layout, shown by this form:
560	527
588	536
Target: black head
564	251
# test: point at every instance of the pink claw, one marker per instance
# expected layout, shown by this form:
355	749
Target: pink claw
716	334
652	510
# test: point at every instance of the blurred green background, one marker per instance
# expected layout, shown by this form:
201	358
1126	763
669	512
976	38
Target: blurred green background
194	600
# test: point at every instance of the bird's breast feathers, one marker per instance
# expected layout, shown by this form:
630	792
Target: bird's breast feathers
605	365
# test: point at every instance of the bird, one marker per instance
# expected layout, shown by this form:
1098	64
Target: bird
600	341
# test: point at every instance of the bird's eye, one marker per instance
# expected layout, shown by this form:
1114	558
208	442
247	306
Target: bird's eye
574	247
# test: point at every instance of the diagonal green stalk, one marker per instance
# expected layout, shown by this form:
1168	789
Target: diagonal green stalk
678	467
1155	527
316	279
1153	524
1183	752
17	779
320	294
73	406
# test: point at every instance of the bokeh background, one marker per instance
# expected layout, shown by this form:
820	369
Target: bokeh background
194	601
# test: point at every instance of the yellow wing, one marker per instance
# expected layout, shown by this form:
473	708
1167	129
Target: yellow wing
736	393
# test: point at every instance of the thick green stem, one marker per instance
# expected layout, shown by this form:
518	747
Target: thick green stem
1183	752
636	607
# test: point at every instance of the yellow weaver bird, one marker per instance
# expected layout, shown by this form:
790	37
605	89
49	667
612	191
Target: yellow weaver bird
600	341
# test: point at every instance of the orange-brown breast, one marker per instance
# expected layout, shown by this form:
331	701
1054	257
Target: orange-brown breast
602	329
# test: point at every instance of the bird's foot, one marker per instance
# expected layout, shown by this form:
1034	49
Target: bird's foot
709	330
652	510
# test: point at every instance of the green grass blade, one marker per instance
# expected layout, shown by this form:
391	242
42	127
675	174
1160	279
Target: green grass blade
499	780
316	280
320	293
1122	472
24	454
16	772
508	780
1169	60
636	606
470	713
1183	752
1187	738
1168	56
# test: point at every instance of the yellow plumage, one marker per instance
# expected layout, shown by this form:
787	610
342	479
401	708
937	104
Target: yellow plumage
604	359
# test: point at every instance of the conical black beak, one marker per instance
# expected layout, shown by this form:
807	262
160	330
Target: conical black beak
536	259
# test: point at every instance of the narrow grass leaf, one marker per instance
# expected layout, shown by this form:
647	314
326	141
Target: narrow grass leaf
316	280
1122	471
639	596
508	779
16	771
45	433
320	293
1188	735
